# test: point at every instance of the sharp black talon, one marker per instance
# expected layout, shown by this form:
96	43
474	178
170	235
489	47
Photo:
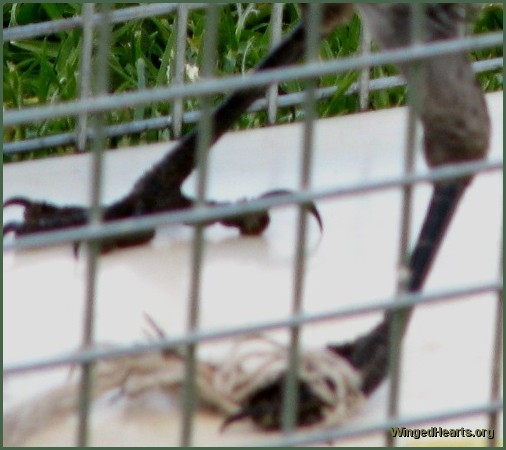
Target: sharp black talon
314	211
310	206
11	227
17	201
243	414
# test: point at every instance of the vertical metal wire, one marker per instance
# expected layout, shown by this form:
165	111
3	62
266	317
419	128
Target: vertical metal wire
497	352
401	316
140	70
365	73
179	65
204	142
290	398
84	73
189	394
100	87
275	38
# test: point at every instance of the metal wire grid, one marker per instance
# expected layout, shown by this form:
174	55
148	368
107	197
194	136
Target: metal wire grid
176	120
100	102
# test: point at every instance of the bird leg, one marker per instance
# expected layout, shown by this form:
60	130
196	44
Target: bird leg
159	189
456	129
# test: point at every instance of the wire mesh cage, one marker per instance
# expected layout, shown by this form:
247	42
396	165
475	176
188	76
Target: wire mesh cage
107	76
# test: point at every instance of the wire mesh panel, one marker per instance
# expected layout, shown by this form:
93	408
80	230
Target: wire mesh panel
178	67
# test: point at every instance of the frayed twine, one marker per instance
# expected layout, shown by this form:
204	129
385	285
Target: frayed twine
253	363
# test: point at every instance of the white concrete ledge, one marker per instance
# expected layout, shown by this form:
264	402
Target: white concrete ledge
447	358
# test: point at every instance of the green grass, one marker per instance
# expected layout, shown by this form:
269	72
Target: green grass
45	70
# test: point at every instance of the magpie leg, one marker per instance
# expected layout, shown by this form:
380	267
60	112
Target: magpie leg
159	189
456	126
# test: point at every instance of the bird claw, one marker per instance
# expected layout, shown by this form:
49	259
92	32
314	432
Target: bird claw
42	216
18	201
309	206
264	407
12	227
255	223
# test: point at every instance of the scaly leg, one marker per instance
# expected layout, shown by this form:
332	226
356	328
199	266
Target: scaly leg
456	129
159	190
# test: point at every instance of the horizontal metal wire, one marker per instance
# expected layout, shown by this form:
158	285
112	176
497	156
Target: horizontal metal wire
363	430
258	79
378	305
199	215
120	15
158	123
205	214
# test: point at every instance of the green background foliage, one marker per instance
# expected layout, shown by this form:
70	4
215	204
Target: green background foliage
45	70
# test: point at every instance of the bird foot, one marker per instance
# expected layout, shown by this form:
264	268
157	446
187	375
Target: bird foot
42	216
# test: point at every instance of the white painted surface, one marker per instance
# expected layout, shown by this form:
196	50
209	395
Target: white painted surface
247	280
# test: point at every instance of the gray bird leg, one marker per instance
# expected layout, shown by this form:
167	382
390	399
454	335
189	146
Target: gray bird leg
159	189
456	129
